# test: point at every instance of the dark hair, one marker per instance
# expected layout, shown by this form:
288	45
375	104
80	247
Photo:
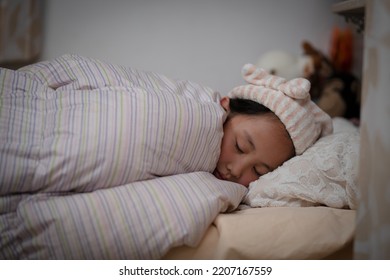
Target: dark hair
247	107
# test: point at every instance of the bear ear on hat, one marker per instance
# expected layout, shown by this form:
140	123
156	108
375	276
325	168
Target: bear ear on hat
260	77
296	88
252	74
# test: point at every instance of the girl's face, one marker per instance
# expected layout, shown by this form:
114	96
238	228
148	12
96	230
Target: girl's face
252	146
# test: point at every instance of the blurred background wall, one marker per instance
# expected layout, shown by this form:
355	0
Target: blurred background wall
206	41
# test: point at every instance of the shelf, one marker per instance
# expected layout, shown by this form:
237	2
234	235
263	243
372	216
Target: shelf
353	11
349	7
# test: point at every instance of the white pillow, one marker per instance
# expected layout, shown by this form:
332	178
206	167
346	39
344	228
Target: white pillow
325	174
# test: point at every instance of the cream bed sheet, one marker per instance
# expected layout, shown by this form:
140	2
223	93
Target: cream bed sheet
276	233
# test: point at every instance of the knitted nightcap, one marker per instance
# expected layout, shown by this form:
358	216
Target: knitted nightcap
290	101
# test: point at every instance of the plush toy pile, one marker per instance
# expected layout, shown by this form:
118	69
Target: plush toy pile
334	88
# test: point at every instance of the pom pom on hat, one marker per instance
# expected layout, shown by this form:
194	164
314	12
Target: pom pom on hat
290	101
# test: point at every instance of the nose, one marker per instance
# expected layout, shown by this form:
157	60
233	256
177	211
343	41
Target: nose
235	169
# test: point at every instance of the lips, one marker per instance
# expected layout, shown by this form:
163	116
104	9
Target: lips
219	175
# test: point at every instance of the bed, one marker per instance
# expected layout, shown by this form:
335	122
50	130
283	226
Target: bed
101	161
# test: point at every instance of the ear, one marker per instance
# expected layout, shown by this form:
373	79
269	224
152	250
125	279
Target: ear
225	103
308	49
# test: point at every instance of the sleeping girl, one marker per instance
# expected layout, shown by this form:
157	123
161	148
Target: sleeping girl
79	124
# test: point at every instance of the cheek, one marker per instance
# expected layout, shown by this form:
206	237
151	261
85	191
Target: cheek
247	179
226	152
223	158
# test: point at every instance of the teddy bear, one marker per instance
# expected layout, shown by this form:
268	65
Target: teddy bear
335	89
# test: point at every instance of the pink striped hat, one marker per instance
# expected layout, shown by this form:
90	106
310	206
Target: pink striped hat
290	101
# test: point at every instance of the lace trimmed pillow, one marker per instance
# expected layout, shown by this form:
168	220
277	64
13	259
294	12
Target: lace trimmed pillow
325	174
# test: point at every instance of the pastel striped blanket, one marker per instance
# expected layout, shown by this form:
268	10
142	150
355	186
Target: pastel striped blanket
100	161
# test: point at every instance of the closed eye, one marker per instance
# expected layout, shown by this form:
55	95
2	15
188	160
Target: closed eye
239	149
257	172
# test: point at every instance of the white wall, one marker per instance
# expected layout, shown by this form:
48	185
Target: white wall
206	41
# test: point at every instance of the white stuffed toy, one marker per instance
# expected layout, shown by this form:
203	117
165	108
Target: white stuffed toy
286	65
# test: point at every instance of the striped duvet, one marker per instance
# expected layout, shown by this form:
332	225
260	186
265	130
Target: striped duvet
99	161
